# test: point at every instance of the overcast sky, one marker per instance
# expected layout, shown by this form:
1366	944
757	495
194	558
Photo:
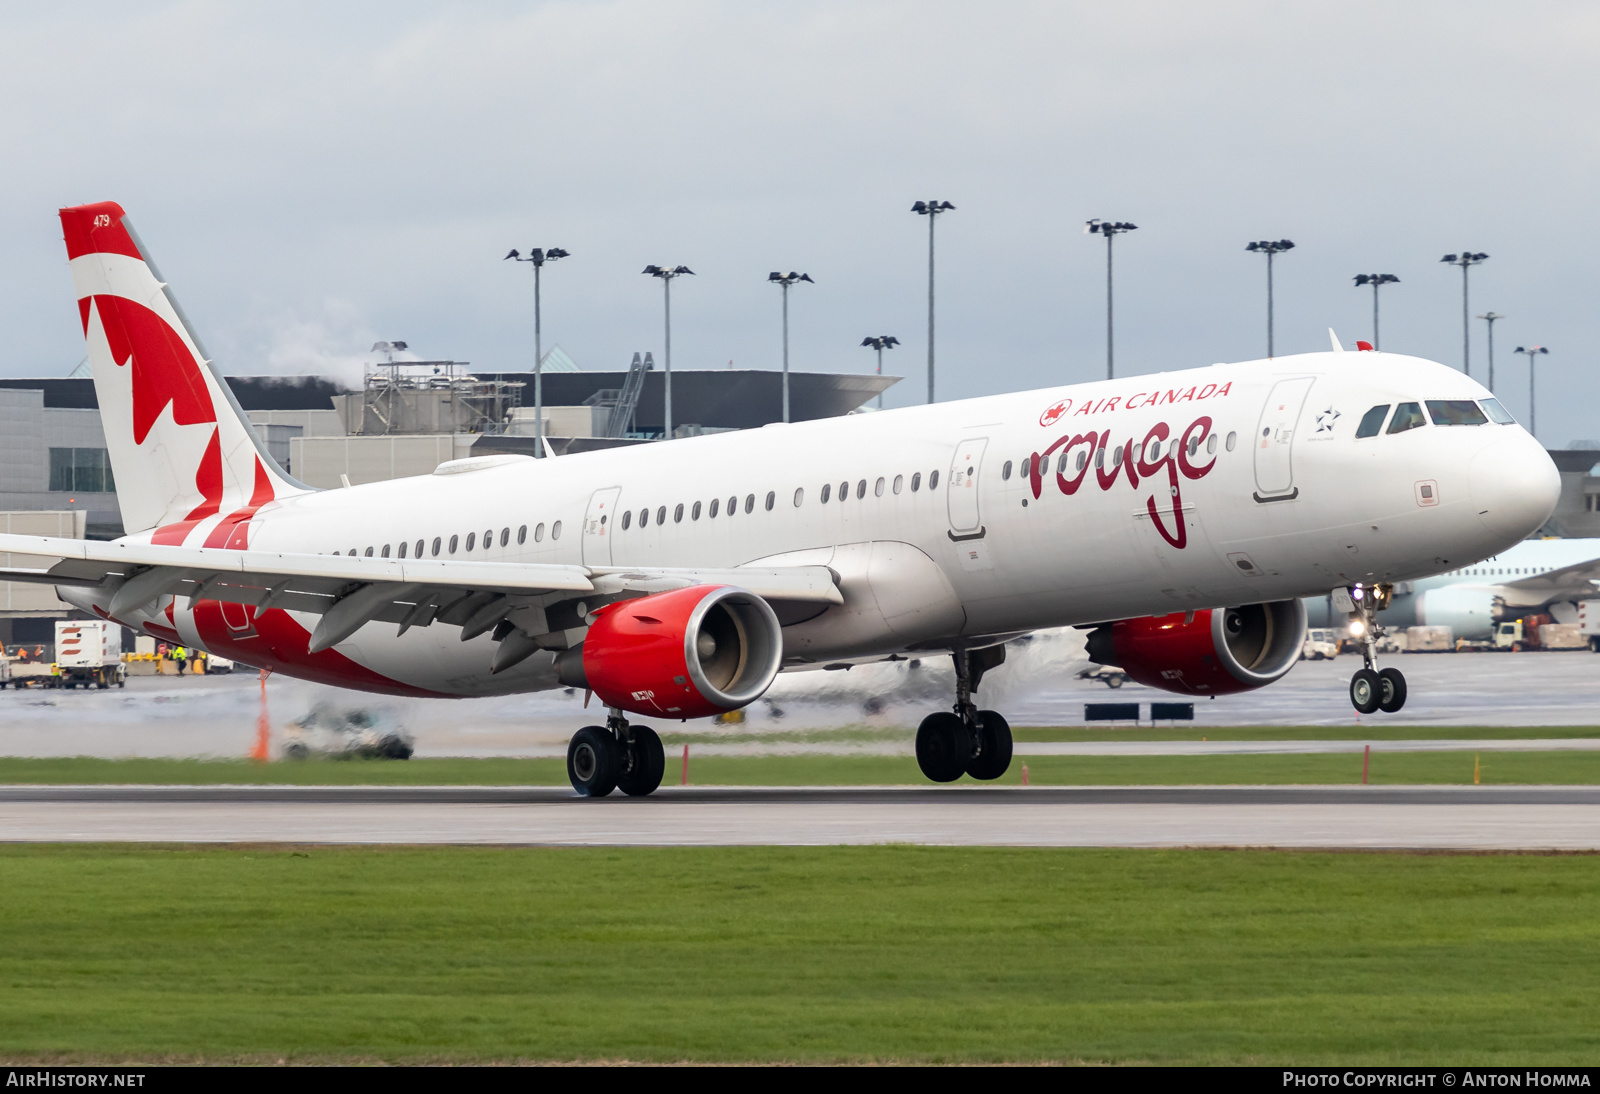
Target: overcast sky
313	177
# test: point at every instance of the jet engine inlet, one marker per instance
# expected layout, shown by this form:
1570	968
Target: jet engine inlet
688	653
1212	652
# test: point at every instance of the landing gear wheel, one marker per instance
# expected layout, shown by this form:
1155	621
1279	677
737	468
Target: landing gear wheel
592	762
1365	691
993	738
643	762
944	745
1391	690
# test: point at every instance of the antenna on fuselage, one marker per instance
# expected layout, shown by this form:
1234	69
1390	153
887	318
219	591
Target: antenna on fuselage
1334	338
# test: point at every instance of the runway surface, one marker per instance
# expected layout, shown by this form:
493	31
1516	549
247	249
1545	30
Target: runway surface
1417	817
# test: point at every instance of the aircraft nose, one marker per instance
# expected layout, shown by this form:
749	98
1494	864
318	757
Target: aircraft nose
1514	485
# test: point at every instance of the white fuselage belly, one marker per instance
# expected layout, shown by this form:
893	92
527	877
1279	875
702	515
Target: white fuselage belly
1350	512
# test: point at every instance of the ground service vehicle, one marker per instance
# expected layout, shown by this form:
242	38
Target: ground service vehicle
1589	623
89	653
1320	645
1179	518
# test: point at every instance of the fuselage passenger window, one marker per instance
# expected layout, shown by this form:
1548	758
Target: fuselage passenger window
716	503
436	542
877	487
1407	416
472	538
861	489
538	532
1005	472
899	481
385	550
916	481
1232	440
799	496
419	549
694	514
522	535
555	530
627	519
661	514
403	547
455	541
827	488
749	503
677	514
733	505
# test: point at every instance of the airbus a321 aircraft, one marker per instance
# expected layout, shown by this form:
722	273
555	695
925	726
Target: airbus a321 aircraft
1179	516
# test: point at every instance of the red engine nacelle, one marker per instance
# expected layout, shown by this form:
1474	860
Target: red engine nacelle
1216	653
688	653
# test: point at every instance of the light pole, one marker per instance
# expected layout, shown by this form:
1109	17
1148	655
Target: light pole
786	280
1269	247
1533	408
1109	229
666	274
1375	280
931	210
1490	318
1466	260
881	343
538	257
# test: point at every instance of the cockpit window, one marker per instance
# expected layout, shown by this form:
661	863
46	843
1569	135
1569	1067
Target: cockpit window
1498	414
1407	416
1455	412
1372	421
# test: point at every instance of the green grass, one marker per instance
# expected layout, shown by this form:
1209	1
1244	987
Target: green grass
857	954
813	770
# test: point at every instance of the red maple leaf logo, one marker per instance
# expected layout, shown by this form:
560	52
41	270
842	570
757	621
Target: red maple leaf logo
1050	416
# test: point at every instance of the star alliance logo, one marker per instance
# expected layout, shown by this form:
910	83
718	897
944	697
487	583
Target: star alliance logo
1326	420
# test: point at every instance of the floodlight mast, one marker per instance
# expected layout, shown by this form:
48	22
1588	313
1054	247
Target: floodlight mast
1466	260
1109	229
1490	317
931	210
785	280
881	343
1269	247
666	274
1375	280
538	257
1533	406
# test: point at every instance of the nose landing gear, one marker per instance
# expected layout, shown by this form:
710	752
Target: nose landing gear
1371	689
967	741
616	756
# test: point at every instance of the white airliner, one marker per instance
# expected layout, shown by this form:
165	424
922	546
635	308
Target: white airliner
1182	516
1537	575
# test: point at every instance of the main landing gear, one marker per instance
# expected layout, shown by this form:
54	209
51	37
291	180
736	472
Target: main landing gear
615	756
967	741
1370	688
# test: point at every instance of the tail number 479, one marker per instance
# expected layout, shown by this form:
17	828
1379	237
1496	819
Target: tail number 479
102	220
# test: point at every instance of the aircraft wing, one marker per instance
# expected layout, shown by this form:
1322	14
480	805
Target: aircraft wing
1580	581
351	591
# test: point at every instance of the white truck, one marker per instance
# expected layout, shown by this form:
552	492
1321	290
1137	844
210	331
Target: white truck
1320	645
89	652
1589	623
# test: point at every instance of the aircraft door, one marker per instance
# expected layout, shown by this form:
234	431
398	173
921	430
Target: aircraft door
598	524
1274	439
966	522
